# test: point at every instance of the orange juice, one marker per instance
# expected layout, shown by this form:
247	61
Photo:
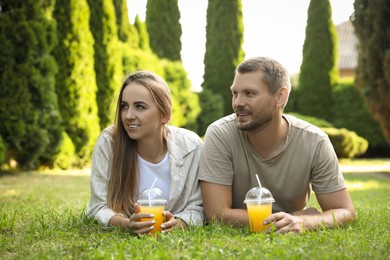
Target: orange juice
158	216
257	213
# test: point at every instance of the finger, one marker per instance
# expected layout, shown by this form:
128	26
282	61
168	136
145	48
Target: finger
137	208
169	224
140	216
142	227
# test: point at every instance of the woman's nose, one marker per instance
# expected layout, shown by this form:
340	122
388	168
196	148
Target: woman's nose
130	114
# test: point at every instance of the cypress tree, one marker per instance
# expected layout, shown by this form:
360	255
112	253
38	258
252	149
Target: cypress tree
29	115
162	24
224	38
185	102
76	83
127	33
108	65
319	71
372	27
142	33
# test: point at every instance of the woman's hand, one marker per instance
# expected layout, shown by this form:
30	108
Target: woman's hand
133	224
170	222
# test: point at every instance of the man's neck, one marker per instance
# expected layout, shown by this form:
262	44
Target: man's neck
269	141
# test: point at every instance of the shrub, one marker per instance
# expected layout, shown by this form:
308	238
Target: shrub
347	144
67	153
2	151
350	111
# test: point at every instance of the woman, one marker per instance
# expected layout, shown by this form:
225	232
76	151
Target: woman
138	148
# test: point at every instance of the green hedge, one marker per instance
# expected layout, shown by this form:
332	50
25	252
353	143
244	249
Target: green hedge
347	144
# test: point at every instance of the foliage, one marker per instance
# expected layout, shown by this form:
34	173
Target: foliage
29	115
76	84
185	102
2	151
211	105
107	58
164	28
224	39
372	27
349	111
126	32
143	34
347	144
42	217
66	156
319	70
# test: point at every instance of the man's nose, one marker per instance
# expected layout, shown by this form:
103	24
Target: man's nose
237	101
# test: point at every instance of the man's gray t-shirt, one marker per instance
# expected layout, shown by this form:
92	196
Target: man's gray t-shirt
307	161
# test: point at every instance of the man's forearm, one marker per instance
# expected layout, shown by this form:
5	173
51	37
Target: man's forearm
329	219
235	217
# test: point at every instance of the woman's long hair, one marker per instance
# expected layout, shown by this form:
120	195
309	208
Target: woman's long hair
124	176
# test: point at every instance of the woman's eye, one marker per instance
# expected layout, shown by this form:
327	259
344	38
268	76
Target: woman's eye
124	106
140	107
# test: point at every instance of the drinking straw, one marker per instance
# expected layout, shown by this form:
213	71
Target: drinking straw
150	189
258	180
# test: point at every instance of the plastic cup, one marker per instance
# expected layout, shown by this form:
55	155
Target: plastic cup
152	201
259	204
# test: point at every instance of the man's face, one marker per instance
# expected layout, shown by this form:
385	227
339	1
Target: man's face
252	102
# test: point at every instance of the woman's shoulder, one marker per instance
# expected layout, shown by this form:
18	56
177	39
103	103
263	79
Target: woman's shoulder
106	135
179	132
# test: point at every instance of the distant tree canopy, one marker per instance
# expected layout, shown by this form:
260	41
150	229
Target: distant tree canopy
224	39
76	84
319	71
162	24
372	27
30	122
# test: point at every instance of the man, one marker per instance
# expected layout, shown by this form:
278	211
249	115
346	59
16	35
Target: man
290	156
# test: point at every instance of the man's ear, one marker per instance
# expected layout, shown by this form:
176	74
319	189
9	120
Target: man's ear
282	96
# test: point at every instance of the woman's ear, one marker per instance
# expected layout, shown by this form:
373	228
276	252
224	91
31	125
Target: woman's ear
165	118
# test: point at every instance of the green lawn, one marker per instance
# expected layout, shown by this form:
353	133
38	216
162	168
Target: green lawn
41	217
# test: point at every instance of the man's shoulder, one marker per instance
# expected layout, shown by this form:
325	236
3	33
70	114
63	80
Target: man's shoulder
226	121
302	125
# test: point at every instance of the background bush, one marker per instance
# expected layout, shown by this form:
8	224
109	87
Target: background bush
347	144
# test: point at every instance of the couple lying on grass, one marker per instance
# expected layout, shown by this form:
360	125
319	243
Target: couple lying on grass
210	180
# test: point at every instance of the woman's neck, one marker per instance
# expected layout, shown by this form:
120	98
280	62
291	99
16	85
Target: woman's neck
152	151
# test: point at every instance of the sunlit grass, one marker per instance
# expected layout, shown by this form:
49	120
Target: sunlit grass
42	217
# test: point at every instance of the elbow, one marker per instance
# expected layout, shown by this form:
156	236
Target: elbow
353	214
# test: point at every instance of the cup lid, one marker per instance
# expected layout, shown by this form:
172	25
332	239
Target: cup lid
153	194
259	195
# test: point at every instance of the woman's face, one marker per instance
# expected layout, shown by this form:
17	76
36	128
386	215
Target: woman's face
139	113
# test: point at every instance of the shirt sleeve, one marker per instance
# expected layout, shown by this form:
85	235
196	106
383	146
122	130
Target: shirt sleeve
97	207
186	201
326	175
216	162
